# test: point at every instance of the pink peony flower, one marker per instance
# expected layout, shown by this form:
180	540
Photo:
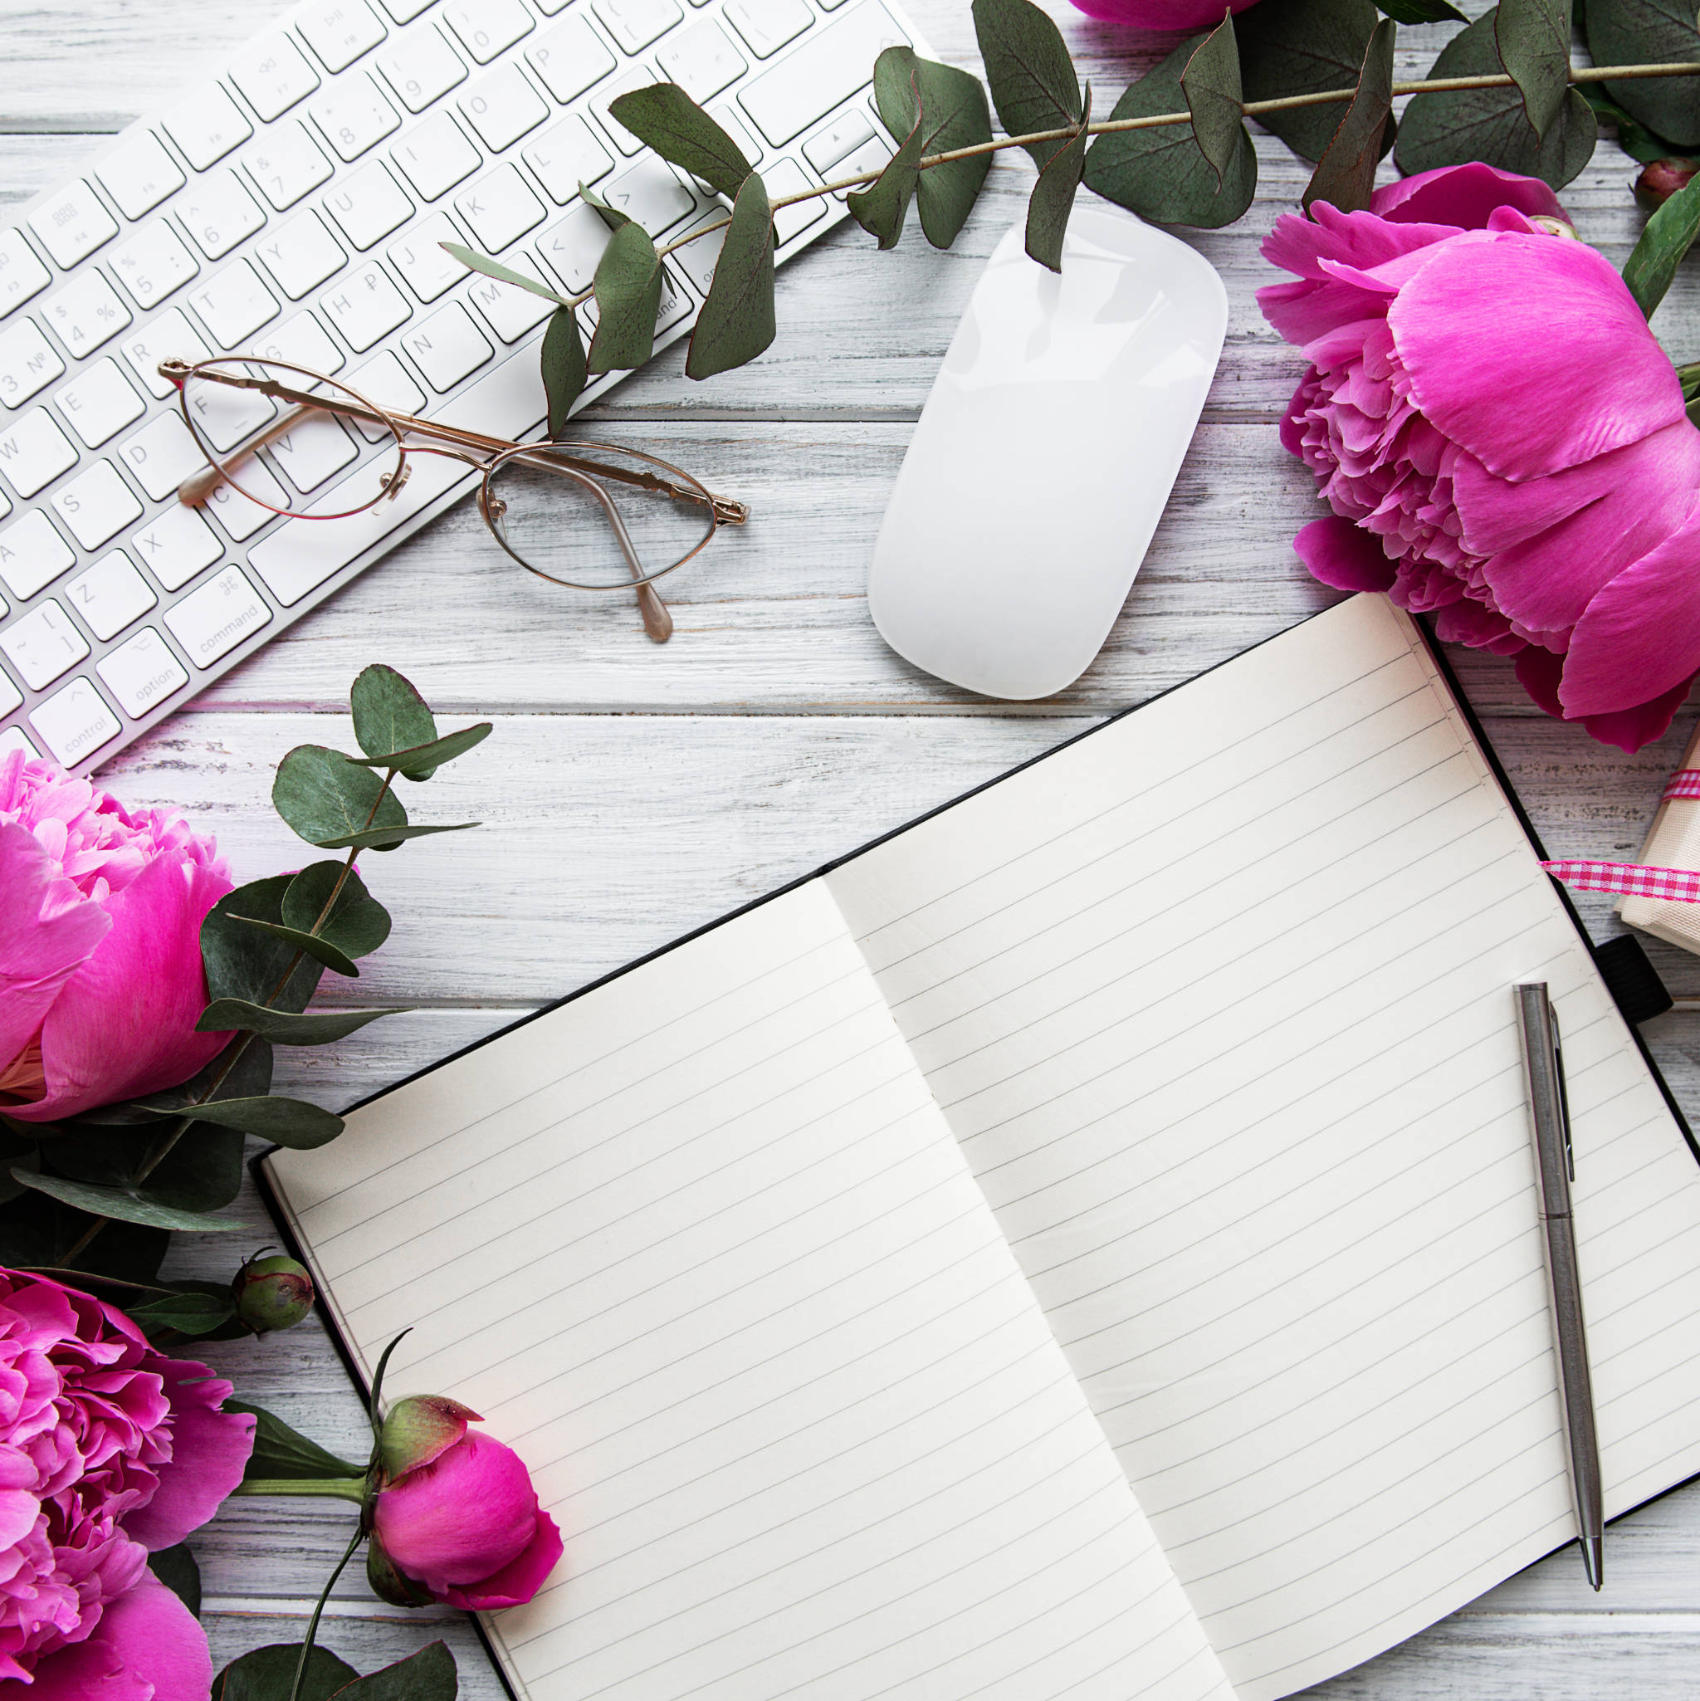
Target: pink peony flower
109	1451
101	981
1501	439
1162	14
456	1514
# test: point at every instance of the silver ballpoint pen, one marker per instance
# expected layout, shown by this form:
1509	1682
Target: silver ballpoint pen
1555	1169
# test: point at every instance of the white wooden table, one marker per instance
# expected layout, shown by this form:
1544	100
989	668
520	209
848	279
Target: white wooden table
632	792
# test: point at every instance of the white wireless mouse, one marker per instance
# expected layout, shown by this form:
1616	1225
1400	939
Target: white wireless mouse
1045	454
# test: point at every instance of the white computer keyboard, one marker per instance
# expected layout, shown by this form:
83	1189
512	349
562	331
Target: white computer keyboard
294	207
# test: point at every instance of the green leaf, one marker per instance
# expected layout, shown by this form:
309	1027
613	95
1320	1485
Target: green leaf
1453	127
666	118
881	208
611	216
123	1206
476	262
281	1452
266	1674
628	297
314	1027
189	1313
1345	175
1034	85
39	1231
1423	11
1633	136
1533	39
320	950
202	1171
1052	199
240	961
950	106
428	1675
565	373
290	1122
1669	234
1650	32
388	838
1293	47
1211	83
325	796
175	1567
389	714
736	321
358	924
424	760
1160	173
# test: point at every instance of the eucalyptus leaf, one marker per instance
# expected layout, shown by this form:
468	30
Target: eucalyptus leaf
950	106
125	1207
320	950
1669	234
175	1567
565	373
38	1231
1052	199
477	262
610	216
881	208
266	1673
666	119
357	923
1210	81
202	1171
1650	32
428	1675
1345	175
736	322
242	962
325	796
1633	136
314	1027
231	1075
389	714
290	1122
1294	47
1533	39
1423	11
1455	126
284	1453
628	297
388	838
1160	173
1033	81
183	1313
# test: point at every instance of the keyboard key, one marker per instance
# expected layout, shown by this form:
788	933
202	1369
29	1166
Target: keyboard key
300	255
354	116
421	67
312	450
175	545
237	514
43	644
567	156
142	673
73	224
502	107
34	451
419	257
446	347
435	156
22	274
766	25
786	177
510	312
697	259
639	77
32	554
110	595
384	380
222	418
287	164
301	341
570	58
487	27
738	128
873	155
212	621
167	336
28	363
833	64
702	60
403	10
652	195
153	263
11	737
273	76
339	31
206	125
218	213
97	505
848	131
499	209
140	174
99	402
161	455
233	304
368	204
571	248
364	307
86	313
75	722
634	24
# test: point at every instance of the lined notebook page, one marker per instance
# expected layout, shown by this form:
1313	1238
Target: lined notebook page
700	1246
1217	1002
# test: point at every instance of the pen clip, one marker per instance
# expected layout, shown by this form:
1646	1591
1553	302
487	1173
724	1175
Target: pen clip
1563	1092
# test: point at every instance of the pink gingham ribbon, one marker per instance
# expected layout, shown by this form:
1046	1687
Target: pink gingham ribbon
1685	782
1631	879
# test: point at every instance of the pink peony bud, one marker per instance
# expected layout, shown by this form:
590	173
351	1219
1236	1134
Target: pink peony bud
271	1293
1660	180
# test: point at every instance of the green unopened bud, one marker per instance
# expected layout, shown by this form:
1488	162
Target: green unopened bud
271	1293
418	1430
1662	179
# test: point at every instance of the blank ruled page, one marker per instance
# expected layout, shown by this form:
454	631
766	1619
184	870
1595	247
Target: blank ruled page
700	1246
1218	1003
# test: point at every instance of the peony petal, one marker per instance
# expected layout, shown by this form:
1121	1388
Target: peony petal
1538	672
1339	554
1530	352
147	1647
460	1519
209	1449
1465	195
516	1583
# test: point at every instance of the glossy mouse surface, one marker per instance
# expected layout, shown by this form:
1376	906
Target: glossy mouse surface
1044	455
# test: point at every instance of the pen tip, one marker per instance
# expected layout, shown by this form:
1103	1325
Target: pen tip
1594	1561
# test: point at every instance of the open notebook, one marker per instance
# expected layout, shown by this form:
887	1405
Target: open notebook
1082	1246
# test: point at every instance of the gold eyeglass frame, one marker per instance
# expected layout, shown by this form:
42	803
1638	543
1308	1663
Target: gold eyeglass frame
486	455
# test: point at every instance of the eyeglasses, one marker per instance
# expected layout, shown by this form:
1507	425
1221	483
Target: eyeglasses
590	516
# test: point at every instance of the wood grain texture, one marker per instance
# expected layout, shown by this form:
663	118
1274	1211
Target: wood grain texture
631	793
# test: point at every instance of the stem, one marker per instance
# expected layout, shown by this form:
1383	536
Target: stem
325	1488
319	1608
